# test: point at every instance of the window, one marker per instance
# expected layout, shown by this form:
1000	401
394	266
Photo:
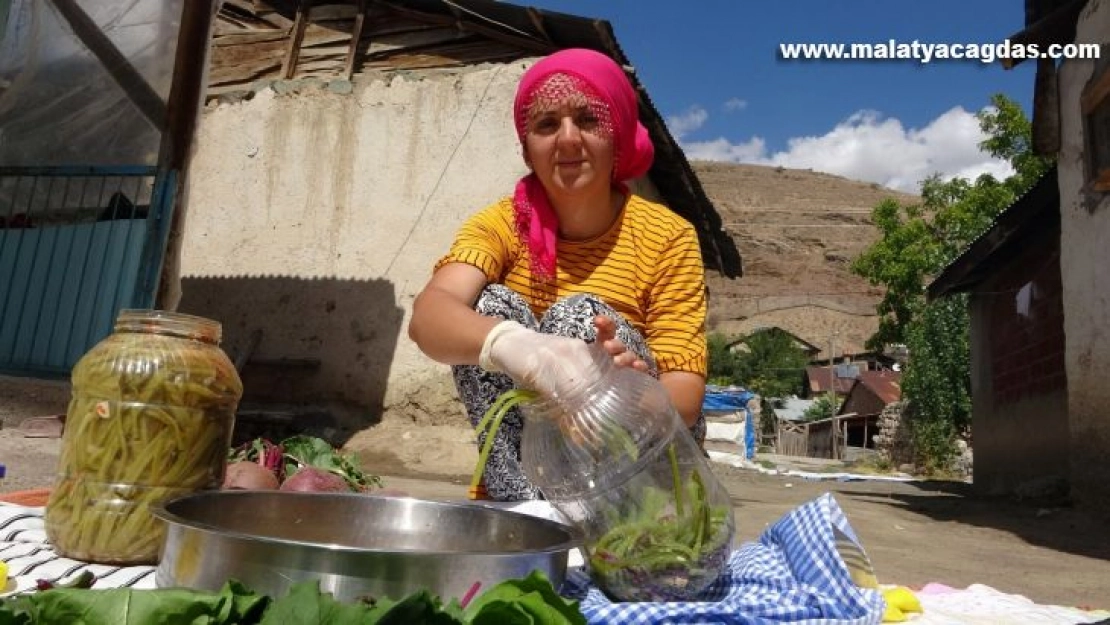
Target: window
1095	104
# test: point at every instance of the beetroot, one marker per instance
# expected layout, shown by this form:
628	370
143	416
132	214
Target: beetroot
312	480
247	475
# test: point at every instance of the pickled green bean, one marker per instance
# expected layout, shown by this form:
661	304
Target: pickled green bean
151	418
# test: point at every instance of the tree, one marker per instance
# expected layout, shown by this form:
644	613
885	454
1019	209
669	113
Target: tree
916	242
822	408
722	362
771	365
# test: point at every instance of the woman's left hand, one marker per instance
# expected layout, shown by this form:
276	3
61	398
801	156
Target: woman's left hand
607	337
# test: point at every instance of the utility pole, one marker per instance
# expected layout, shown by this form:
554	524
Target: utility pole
832	373
832	395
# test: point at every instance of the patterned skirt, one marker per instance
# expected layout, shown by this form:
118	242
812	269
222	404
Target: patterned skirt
504	478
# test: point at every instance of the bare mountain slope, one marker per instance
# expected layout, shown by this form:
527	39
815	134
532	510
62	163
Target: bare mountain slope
798	232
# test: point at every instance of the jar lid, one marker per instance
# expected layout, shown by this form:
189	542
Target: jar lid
169	322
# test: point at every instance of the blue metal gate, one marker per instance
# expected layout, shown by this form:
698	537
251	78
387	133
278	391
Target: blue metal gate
77	244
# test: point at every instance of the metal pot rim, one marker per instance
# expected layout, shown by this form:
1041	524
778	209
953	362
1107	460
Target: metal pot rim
159	510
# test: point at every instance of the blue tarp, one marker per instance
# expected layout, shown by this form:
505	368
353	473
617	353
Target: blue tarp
733	400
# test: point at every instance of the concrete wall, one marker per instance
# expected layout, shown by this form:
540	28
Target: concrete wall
316	217
1085	267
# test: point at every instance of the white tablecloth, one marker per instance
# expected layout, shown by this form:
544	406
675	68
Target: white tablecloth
23	546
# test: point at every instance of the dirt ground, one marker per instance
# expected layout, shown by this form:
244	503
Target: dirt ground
915	532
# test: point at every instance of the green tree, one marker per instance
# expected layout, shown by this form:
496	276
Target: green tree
822	408
916	242
772	365
722	362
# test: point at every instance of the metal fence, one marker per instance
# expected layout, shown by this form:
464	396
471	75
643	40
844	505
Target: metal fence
77	244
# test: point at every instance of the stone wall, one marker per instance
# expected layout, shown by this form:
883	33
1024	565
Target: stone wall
893	440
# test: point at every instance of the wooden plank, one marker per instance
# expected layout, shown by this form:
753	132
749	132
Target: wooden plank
1056	27
537	21
241	79
246	55
323	13
187	87
315	35
322	68
248	38
314	53
528	43
1101	183
1095	92
137	89
416	38
356	40
289	65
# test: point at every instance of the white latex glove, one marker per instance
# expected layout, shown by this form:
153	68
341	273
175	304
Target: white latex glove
549	364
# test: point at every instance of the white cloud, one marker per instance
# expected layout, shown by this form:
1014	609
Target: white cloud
735	104
686	122
873	148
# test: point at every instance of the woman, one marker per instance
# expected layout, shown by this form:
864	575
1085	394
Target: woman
571	257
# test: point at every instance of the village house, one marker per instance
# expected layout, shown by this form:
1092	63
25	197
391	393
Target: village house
859	412
818	381
1038	283
1018	382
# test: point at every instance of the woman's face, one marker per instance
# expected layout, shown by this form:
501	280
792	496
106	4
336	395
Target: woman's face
569	144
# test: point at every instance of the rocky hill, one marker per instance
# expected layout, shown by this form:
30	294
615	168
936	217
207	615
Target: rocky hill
797	231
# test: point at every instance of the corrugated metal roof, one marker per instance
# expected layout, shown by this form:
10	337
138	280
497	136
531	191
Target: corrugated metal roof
1035	212
886	385
818	378
793	409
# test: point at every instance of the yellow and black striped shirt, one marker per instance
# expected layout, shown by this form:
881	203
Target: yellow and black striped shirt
647	266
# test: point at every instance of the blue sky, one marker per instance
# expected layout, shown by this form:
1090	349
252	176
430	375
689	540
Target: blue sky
713	70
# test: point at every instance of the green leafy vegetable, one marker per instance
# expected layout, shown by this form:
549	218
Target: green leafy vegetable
128	606
672	538
490	423
311	451
295	452
528	601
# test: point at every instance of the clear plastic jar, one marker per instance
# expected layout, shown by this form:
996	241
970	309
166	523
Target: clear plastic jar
616	459
150	418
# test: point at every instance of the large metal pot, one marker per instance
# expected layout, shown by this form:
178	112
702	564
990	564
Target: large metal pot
355	545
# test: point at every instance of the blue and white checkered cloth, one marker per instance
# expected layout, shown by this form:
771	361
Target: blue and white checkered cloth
799	571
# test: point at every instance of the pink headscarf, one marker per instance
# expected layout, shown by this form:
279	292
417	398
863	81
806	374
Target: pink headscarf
536	221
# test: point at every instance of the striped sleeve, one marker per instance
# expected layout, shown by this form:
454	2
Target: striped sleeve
676	313
485	241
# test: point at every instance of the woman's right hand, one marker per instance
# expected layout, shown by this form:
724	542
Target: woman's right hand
607	338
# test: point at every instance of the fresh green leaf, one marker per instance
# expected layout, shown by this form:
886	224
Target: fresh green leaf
528	601
420	607
13	611
129	606
304	450
306	604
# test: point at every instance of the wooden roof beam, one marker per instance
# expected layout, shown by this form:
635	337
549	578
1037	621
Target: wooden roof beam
289	65
134	86
537	21
532	44
1056	27
356	39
